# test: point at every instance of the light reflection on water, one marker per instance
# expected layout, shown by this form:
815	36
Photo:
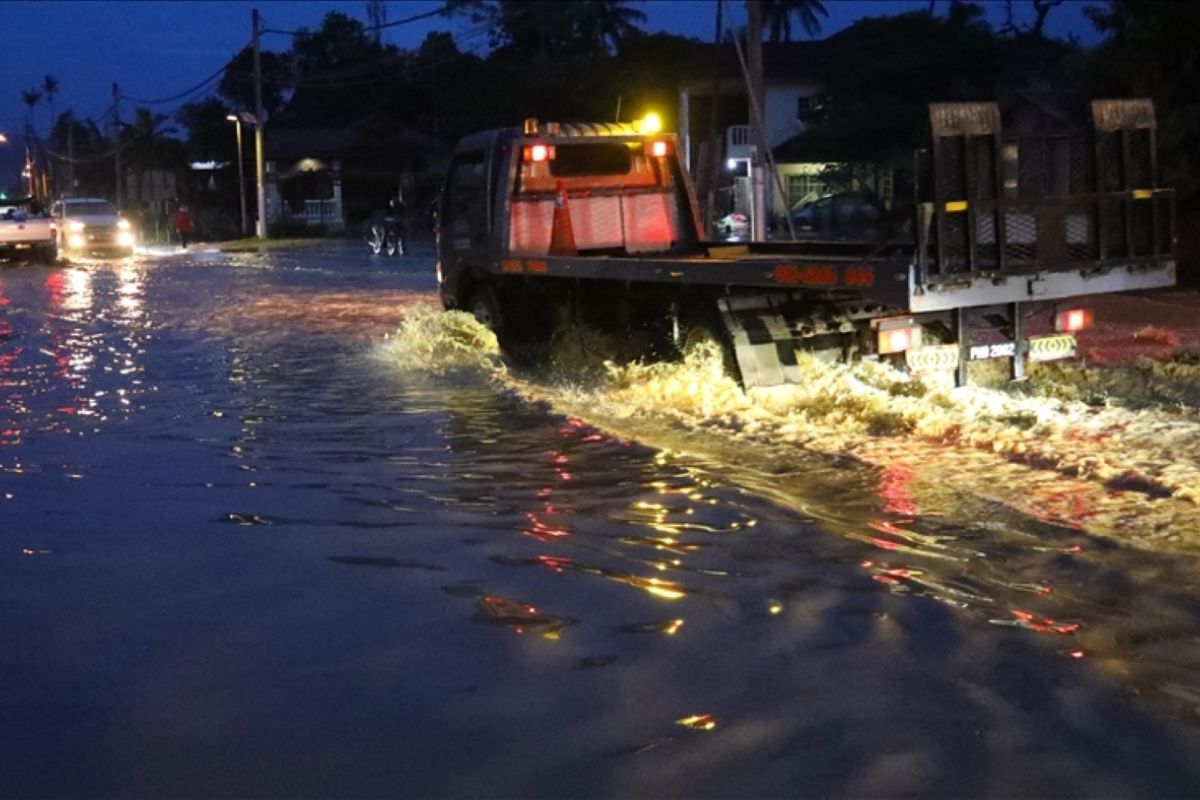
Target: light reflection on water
292	536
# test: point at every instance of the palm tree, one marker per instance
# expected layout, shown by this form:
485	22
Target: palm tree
31	98
607	22
778	14
49	88
147	146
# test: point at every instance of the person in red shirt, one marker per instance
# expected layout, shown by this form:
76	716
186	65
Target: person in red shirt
183	225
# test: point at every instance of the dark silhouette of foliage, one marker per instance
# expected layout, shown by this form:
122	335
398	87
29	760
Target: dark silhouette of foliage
237	84
778	14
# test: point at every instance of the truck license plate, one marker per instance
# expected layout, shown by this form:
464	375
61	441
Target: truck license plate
1001	350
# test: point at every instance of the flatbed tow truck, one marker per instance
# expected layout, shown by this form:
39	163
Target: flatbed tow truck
598	224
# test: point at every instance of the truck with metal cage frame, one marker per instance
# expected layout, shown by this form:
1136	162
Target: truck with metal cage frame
598	224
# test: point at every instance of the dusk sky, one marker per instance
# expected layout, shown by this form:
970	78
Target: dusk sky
155	50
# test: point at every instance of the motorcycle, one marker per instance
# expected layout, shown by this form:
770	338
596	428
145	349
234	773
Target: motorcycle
385	234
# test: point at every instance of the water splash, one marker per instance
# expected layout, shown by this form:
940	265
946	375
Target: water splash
437	342
1124	470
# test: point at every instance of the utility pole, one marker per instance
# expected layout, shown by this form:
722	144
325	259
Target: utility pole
713	178
242	178
70	154
117	135
757	134
260	229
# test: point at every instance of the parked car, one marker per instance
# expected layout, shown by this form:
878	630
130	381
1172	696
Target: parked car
844	215
92	226
732	225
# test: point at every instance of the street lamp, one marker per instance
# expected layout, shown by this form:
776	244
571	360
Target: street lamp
238	119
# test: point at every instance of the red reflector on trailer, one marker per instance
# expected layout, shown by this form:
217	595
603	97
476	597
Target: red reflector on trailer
897	340
658	149
1073	319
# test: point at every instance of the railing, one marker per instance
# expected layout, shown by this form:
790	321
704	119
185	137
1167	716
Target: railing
320	211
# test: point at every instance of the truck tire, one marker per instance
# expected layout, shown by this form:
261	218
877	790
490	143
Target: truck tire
704	330
483	304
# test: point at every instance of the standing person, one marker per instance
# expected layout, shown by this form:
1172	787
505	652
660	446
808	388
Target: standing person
183	225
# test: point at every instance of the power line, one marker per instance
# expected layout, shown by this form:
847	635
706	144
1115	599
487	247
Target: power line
415	18
193	89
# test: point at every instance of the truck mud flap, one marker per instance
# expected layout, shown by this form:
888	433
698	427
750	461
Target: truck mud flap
765	338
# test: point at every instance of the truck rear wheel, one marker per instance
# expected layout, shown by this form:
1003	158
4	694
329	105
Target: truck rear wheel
704	331
483	304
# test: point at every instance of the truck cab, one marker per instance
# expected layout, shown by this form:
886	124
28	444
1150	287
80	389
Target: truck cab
545	190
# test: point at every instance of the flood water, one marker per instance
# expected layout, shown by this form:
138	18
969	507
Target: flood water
272	526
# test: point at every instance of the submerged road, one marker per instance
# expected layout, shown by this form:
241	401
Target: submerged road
260	539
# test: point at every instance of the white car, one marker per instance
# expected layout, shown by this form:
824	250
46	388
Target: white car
91	226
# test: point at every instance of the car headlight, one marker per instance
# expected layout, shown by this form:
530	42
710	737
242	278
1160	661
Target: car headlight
125	238
75	241
75	226
123	224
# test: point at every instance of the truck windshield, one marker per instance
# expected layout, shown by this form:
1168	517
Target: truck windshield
595	165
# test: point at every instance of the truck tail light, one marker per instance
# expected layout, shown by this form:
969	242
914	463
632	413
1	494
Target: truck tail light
897	340
538	152
1073	319
659	148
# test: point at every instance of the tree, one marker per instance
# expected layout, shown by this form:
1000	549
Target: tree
543	28
237	83
30	98
210	134
874	109
340	43
341	74
778	14
148	147
50	89
90	171
606	23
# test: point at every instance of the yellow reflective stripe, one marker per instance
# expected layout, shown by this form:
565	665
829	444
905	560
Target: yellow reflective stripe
1048	348
956	205
1143	194
932	358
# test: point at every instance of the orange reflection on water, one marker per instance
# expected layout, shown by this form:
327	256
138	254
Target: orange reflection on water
542	530
698	722
1027	619
520	617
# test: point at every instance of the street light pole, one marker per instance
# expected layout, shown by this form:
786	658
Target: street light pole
259	171
237	119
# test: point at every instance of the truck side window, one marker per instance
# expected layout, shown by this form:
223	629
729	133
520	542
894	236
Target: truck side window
466	194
